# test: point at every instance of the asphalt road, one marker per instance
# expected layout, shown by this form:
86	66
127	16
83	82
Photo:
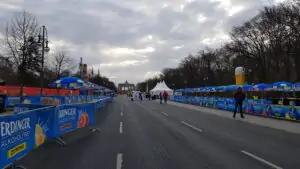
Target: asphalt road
148	135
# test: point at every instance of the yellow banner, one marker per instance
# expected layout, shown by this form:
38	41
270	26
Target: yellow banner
17	149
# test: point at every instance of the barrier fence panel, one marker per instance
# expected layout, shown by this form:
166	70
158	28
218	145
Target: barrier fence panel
71	117
254	107
26	107
22	132
32	124
17	136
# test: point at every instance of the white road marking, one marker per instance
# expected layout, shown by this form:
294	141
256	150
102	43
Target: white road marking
191	126
164	113
119	160
121	127
121	113
261	160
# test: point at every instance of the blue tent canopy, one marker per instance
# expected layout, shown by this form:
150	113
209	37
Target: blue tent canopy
232	88
282	86
297	86
75	83
247	87
221	88
262	87
69	83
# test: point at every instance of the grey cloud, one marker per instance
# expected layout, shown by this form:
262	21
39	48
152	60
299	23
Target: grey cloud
94	25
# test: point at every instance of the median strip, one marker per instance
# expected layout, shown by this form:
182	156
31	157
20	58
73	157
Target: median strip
191	126
261	160
119	161
121	128
164	113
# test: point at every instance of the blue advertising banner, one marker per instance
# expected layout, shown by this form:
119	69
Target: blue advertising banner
31	100
71	117
26	107
277	111
230	106
66	100
28	129
17	136
73	99
99	104
257	107
48	100
293	114
11	101
58	100
44	128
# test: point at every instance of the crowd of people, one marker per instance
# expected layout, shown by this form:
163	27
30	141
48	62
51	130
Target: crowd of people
239	97
137	95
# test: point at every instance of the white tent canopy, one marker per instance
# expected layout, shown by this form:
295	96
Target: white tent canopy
161	87
156	87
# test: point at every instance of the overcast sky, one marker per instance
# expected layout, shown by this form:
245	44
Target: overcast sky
134	39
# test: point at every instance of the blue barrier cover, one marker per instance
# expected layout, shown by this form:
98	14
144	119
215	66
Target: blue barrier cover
11	101
17	136
99	104
31	100
26	130
26	107
230	106
44	125
71	117
250	106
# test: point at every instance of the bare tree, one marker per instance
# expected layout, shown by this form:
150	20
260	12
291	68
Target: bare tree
63	63
22	48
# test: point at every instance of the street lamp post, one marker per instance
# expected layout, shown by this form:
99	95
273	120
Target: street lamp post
43	42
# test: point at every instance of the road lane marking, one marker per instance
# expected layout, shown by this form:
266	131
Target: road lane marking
164	113
261	160
121	127
119	160
121	114
191	126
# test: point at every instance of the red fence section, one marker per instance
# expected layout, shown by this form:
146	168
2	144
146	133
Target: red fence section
35	91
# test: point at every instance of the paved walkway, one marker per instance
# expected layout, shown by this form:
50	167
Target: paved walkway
288	126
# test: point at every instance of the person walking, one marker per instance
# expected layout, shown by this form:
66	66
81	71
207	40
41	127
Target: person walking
239	97
140	96
165	95
160	97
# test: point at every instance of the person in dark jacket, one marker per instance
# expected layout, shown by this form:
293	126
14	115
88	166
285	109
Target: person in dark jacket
239	97
160	97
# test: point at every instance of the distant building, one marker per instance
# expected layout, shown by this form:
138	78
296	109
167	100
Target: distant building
125	87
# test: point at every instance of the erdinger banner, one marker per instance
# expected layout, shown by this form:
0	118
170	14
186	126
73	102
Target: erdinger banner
71	117
17	136
28	129
23	132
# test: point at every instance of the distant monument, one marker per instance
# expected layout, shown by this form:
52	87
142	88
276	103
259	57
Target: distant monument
125	87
